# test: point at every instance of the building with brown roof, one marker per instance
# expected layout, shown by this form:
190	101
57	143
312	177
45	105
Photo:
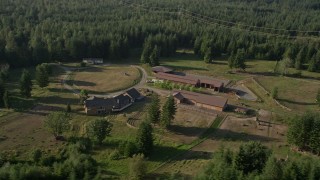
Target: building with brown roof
178	79
211	83
200	100
192	80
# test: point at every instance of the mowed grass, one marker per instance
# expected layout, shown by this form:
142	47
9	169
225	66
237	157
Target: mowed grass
297	94
106	78
193	64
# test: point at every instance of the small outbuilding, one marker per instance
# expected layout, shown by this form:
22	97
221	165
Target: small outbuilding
93	60
162	69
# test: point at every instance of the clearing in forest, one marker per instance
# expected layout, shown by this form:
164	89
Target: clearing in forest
106	79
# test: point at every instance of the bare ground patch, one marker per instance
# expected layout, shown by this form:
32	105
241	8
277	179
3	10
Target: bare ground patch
189	125
22	132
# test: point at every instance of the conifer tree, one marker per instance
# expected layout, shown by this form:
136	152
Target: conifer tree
25	84
312	64
231	60
251	157
239	61
208	55
272	170
6	100
144	139
155	56
68	108
154	109
42	76
299	59
168	112
147	50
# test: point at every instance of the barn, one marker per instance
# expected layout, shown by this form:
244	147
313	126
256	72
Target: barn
200	100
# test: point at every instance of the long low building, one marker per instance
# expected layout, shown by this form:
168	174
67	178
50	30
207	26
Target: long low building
192	80
178	79
200	100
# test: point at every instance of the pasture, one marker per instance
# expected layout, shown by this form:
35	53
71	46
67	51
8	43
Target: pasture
105	79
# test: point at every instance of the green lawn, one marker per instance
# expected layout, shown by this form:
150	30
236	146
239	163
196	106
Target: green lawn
299	95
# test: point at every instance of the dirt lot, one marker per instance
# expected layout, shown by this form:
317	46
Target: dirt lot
21	132
231	135
189	125
235	130
106	79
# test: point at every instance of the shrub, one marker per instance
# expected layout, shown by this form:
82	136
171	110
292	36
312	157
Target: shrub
115	155
36	155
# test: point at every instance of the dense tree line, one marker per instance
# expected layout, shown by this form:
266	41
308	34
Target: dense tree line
32	32
255	161
72	162
304	132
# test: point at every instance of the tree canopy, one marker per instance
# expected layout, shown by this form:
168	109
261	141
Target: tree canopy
67	30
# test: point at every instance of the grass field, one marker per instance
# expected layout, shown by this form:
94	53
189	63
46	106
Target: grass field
106	79
190	136
297	94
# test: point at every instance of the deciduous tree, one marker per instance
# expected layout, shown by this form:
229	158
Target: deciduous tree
274	93
98	130
57	123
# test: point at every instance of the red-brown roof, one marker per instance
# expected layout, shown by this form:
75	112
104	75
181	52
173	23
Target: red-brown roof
201	98
215	83
177	78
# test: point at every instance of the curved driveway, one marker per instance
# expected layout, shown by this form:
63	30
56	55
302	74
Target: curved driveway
141	84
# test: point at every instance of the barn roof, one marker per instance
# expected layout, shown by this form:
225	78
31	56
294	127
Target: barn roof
177	78
201	98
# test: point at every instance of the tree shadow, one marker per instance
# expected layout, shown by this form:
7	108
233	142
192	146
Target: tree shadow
82	83
164	153
295	102
224	134
186	131
219	134
177	67
219	63
57	100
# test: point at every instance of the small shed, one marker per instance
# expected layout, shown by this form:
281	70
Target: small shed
93	60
